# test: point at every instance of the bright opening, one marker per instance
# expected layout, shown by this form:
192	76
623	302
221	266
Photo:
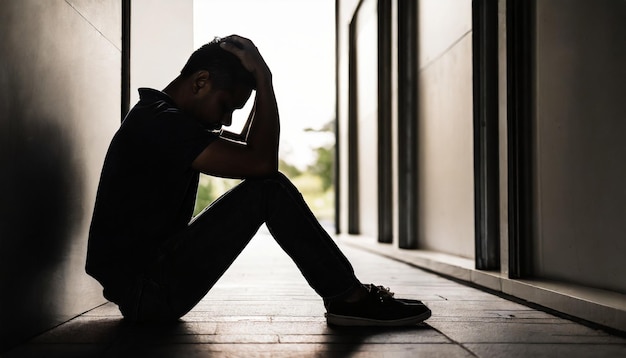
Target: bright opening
297	40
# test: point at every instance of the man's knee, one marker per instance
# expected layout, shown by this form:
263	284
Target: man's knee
271	185
279	176
283	181
276	177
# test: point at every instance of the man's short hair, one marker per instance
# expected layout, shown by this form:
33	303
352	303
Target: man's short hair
225	69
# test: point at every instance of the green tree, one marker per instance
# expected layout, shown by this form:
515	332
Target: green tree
323	166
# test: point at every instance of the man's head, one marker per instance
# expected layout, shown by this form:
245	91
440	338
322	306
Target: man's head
225	68
213	83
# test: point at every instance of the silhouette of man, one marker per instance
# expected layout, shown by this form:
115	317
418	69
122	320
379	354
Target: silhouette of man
156	262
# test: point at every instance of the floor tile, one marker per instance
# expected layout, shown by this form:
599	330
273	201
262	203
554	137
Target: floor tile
548	350
514	332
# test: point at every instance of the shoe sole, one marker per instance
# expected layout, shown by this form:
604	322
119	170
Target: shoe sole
338	320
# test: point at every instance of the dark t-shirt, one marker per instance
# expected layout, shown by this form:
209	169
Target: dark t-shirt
147	189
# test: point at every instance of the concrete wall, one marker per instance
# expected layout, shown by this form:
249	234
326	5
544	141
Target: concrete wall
580	121
59	106
445	144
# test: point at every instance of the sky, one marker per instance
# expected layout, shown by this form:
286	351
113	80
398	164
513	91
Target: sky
297	40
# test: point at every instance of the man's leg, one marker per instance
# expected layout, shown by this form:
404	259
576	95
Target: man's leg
196	258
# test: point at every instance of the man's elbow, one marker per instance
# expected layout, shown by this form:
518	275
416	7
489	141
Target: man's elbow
268	168
260	166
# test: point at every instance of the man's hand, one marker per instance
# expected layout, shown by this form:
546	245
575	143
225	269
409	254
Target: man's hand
258	156
248	54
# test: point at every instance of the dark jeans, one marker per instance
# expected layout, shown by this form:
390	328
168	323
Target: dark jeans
193	260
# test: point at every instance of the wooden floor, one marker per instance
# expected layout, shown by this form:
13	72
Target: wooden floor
262	307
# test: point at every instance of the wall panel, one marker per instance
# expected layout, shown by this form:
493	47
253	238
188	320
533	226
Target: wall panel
580	199
367	116
59	106
445	134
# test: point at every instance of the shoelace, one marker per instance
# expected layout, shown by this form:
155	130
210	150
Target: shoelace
381	291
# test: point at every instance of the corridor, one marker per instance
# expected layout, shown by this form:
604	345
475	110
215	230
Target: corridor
262	307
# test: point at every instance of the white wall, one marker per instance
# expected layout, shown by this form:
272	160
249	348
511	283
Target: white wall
161	42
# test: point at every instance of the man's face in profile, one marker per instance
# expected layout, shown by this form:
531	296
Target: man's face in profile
216	107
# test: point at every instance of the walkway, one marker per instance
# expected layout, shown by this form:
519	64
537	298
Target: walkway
263	308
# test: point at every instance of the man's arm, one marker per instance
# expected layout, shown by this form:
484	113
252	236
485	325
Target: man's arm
259	155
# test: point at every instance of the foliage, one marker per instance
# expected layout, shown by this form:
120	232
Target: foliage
323	167
204	197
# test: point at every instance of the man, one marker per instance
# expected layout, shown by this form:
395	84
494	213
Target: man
156	263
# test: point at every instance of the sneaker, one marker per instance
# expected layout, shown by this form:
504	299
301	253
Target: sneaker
408	301
378	308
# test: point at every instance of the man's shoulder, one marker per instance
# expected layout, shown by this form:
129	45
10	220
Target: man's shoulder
156	102
152	95
152	106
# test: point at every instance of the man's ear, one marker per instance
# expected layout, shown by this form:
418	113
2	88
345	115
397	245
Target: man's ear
201	81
